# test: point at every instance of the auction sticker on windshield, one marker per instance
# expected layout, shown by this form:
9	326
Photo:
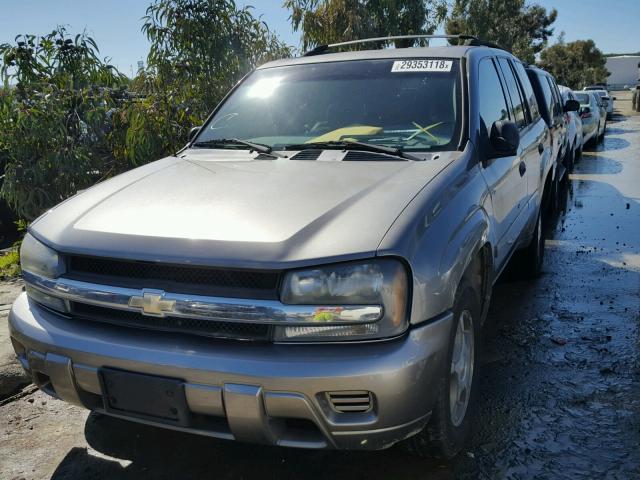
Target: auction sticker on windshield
433	65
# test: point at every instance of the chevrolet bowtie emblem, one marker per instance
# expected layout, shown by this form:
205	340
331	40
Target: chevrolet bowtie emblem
151	302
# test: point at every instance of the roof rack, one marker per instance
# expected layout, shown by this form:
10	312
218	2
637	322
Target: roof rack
469	40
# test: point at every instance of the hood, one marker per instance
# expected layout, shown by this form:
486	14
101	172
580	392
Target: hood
228	208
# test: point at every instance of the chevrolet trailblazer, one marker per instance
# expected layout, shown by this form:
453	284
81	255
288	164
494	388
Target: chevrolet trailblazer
314	268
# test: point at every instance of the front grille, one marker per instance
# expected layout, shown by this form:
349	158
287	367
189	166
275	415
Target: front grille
230	330
176	278
350	402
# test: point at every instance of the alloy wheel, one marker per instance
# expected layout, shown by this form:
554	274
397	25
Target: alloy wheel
462	365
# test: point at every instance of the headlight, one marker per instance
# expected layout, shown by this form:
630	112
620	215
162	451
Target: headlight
369	285
37	258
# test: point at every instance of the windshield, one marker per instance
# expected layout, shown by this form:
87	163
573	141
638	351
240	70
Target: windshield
408	104
583	98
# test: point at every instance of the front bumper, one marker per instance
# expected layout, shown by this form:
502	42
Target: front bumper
262	393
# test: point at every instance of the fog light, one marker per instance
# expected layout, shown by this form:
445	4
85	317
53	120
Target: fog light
45	299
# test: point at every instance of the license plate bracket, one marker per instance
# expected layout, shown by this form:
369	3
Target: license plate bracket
144	396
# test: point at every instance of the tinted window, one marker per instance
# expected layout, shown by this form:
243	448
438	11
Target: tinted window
413	104
493	106
546	92
583	98
557	102
528	91
517	104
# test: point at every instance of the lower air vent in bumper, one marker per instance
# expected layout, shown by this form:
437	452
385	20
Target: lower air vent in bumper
350	401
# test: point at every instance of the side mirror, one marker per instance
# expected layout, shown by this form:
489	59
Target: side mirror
614	98
571	106
193	132
504	138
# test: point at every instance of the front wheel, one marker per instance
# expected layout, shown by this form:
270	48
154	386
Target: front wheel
453	413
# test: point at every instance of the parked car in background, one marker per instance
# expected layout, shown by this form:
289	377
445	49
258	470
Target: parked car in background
635	98
316	277
606	101
574	127
591	116
596	86
553	111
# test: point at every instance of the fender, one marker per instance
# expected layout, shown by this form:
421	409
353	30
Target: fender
462	247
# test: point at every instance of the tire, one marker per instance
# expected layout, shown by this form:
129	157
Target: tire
532	257
571	155
450	423
554	199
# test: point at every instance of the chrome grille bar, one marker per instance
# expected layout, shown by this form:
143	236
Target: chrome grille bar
201	307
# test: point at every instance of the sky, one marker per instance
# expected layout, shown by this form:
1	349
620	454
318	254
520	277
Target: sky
115	24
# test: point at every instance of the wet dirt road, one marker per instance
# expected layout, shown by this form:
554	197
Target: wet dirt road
560	374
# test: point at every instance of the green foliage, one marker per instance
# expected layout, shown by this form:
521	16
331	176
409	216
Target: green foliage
575	64
10	263
521	28
54	124
330	21
68	119
199	50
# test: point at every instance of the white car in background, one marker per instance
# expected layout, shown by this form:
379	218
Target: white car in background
606	99
592	123
574	127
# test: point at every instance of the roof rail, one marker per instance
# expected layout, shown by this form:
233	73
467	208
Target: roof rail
469	40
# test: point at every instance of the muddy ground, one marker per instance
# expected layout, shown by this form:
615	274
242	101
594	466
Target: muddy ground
560	373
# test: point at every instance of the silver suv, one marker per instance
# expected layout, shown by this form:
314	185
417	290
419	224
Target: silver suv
313	269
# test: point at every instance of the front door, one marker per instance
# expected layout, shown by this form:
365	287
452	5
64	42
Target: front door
505	176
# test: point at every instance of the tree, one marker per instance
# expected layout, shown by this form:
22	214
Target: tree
55	119
330	21
68	119
199	50
521	28
575	64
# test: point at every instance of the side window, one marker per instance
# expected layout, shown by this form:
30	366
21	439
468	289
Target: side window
548	96
518	108
557	103
528	91
491	99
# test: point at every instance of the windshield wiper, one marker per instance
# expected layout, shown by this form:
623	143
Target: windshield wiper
221	142
354	145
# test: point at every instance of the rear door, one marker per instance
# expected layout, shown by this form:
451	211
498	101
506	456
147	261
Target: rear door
505	179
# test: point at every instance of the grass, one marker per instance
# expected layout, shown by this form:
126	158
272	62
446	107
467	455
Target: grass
10	264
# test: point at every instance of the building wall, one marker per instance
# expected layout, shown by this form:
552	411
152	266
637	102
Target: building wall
624	71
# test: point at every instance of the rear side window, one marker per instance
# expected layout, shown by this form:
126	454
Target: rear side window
492	103
517	103
557	101
548	96
583	98
528	91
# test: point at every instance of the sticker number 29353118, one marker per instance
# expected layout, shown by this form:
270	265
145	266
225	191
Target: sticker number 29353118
423	65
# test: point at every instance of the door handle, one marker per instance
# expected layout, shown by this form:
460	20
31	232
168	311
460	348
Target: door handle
522	168
540	148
